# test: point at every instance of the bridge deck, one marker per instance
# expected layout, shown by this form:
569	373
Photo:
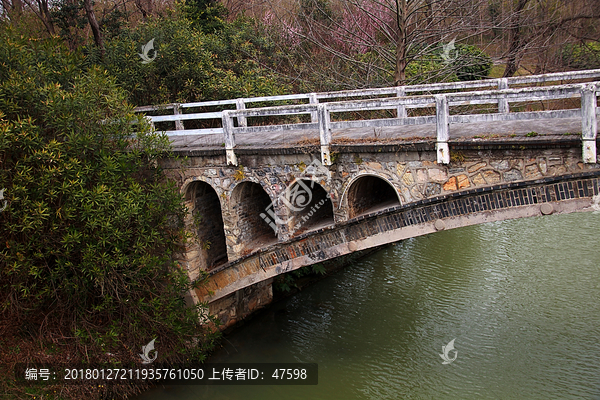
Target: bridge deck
387	135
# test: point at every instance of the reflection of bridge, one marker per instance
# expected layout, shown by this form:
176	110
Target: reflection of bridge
381	169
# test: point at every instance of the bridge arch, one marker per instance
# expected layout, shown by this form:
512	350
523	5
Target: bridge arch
309	206
252	212
205	221
367	193
556	195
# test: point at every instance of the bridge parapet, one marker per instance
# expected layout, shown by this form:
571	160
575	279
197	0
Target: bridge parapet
329	116
442	119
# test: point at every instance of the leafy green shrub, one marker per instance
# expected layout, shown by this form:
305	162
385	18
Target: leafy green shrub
581	55
470	63
206	15
91	223
189	65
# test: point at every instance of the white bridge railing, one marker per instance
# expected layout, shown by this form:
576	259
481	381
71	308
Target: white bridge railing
321	120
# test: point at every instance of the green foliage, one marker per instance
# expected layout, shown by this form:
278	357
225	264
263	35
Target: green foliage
205	15
471	63
189	65
581	55
69	17
91	224
289	281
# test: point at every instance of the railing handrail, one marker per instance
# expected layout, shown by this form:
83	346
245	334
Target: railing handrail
501	83
490	96
321	111
586	91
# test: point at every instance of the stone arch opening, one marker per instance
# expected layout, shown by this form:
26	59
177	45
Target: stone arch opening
310	206
249	200
369	194
206	221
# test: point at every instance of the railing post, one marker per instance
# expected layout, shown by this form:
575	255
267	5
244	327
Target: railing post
151	122
589	125
401	110
177	111
229	138
441	114
324	133
312	99
240	105
503	106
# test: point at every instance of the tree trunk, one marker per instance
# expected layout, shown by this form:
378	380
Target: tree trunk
89	11
41	10
401	43
516	41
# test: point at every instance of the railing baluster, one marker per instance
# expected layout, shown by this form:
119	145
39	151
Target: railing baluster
176	111
589	124
401	110
229	138
324	133
240	105
442	129
503	106
312	99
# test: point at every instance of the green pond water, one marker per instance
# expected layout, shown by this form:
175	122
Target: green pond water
521	299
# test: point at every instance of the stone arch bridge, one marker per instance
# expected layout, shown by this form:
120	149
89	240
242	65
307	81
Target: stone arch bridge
276	199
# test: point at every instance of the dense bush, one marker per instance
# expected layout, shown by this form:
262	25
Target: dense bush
91	224
189	65
205	15
470	63
581	55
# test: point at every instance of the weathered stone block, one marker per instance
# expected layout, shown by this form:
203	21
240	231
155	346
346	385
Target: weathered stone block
421	175
478	180
532	172
517	163
400	168
438	175
406	194
513	175
451	184
432	189
407	178
476	167
543	166
463	181
491	177
415	193
502	165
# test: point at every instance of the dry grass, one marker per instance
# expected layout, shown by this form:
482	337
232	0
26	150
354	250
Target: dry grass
18	346
306	141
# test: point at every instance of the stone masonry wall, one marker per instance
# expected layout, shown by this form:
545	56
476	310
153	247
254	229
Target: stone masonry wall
237	306
414	174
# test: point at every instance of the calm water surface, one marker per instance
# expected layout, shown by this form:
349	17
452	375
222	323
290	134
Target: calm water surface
521	298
